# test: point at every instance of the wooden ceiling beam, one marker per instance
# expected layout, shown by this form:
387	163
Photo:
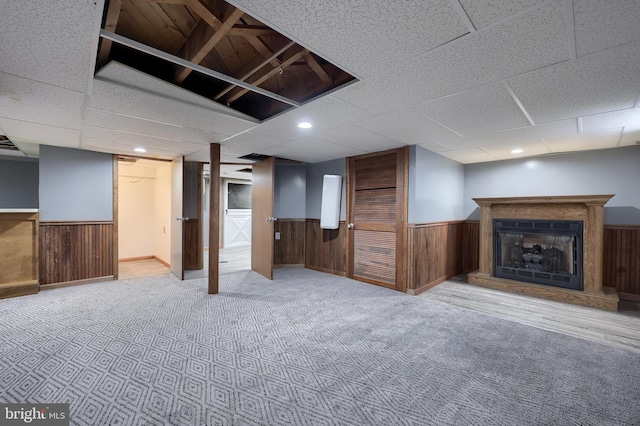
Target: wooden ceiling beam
317	68
252	31
263	49
110	24
179	2
202	40
266	76
250	68
204	13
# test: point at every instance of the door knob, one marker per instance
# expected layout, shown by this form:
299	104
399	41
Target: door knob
350	226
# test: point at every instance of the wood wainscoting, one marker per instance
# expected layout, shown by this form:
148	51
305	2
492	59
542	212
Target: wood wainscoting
326	249
75	251
435	254
470	245
290	248
621	267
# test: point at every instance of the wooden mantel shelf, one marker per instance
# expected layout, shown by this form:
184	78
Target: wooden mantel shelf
590	200
586	208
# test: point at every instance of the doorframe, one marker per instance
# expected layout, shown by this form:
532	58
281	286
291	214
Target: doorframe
402	209
225	205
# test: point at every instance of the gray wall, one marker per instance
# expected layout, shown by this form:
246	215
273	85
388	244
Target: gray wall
289	191
436	186
315	172
610	171
18	183
75	185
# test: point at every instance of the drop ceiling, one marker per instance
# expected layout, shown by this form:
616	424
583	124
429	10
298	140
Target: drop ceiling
469	79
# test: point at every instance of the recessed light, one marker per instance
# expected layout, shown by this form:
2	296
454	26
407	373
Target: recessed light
305	125
140	150
517	151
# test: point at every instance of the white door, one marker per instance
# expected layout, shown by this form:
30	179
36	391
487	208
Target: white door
237	213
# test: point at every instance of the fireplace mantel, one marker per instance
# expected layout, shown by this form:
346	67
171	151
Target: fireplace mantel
586	208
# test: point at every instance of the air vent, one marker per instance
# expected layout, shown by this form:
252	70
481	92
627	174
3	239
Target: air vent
127	159
255	157
6	144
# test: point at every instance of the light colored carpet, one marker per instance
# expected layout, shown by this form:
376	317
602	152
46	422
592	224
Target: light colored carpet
305	349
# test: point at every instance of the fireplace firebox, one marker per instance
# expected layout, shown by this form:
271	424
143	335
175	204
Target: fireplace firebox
547	252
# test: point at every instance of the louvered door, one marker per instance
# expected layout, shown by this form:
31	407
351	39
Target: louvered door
377	211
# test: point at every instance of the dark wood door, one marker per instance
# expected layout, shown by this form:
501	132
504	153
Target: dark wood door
262	226
377	218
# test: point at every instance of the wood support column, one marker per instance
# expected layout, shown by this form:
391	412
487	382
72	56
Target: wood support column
214	217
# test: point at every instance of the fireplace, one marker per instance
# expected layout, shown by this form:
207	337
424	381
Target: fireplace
550	247
547	252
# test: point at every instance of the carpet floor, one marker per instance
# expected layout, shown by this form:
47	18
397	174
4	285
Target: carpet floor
305	349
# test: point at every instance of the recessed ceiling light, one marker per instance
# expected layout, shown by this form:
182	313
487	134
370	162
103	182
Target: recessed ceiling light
140	150
517	151
305	125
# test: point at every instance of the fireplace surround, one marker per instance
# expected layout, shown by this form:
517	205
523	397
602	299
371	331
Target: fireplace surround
587	210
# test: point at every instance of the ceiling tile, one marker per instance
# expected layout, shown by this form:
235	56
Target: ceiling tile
601	82
359	138
48	41
319	146
116	98
324	113
117	73
630	136
111	147
486	109
468	155
525	135
29	100
485	12
621	118
361	37
248	143
504	151
132	140
408	127
529	41
436	147
39	133
603	24
124	123
598	139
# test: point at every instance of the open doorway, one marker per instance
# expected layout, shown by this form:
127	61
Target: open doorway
144	217
235	217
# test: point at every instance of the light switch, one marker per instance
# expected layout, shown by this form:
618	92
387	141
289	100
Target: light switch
277	235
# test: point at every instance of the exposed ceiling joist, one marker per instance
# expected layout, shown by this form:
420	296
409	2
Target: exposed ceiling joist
267	75
317	68
197	46
253	69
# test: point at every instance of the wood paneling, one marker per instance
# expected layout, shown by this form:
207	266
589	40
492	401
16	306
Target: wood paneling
622	260
192	240
290	248
71	251
325	249
435	254
470	245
